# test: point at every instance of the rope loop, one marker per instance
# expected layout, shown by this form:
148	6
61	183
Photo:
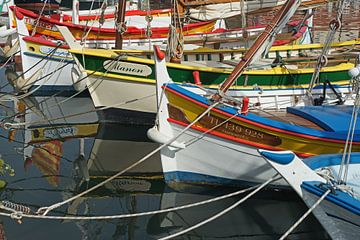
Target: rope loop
335	24
149	18
121	27
323	60
16	216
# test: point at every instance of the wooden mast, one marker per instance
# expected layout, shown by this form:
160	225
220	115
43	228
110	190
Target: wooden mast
254	50
120	24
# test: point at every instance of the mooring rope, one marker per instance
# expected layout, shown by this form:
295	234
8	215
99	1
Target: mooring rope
22	214
37	63
60	92
284	236
45	210
216	216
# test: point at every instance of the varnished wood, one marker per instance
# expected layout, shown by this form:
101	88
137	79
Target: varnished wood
283	116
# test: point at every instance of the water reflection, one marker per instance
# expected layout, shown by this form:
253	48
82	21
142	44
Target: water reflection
58	153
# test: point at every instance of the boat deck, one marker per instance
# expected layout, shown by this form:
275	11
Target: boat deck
286	117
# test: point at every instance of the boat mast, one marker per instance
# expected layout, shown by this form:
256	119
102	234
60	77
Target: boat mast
75	12
120	24
262	43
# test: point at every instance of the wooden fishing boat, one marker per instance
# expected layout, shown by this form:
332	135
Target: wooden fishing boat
214	139
202	33
339	211
53	69
113	80
206	10
47	26
46	63
221	147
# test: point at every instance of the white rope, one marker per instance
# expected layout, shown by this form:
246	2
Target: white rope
107	217
45	210
305	215
38	19
58	67
222	212
345	161
9	125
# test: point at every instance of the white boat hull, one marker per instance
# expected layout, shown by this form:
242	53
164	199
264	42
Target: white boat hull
138	96
338	221
213	160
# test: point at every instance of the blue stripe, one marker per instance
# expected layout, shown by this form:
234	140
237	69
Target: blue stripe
326	160
338	135
58	59
339	198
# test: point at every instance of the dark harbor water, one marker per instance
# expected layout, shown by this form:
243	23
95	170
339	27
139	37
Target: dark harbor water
84	152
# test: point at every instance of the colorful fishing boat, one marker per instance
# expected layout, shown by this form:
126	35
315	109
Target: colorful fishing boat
47	26
52	70
221	139
335	204
211	138
114	80
137	33
46	63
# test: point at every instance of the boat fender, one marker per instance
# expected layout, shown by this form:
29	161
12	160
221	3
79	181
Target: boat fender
196	76
155	135
160	54
354	72
245	106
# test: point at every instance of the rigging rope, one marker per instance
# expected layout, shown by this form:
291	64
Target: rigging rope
322	59
38	19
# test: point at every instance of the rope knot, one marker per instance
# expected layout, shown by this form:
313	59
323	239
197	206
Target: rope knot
17	216
121	27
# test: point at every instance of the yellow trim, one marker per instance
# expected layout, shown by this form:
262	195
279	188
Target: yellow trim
95	52
121	77
235	87
210	51
83	130
295	143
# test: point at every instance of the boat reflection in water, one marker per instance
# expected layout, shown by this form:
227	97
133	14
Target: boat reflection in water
92	151
52	124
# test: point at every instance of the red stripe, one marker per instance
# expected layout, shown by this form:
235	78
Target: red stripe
130	30
234	139
43	41
259	124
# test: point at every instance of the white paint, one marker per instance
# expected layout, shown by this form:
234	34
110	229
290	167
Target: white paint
127	68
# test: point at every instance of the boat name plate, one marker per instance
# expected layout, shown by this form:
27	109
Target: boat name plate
127	68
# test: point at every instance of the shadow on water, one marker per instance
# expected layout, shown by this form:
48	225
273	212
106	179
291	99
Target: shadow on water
61	157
